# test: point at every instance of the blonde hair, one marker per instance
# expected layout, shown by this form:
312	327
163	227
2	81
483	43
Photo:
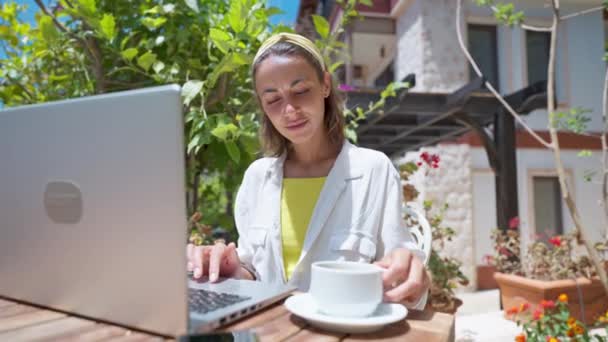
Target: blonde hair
290	44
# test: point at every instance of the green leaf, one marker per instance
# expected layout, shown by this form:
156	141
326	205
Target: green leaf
228	64
241	59
221	39
129	53
154	10
168	8
153	23
108	26
225	132
367	3
193	4
87	7
193	143
270	11
335	66
237	15
350	135
584	153
233	151
190	89
158	66
146	60
48	29
250	142
321	26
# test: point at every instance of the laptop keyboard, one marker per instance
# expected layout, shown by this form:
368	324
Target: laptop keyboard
204	301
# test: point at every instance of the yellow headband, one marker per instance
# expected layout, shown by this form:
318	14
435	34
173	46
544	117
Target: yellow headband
294	39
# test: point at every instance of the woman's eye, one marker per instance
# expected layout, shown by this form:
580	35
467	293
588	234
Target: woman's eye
272	101
300	92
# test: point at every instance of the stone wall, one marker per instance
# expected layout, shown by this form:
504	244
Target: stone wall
427	45
451	183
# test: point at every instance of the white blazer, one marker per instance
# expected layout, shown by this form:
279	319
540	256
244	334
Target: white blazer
357	217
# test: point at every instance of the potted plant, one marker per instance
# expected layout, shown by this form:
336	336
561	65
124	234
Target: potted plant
444	270
545	271
553	321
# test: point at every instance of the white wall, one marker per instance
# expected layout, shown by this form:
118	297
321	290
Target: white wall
451	184
426	46
484	212
587	195
580	68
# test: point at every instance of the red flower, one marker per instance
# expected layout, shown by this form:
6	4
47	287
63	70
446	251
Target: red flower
431	160
514	223
547	304
512	311
538	314
504	251
523	307
556	241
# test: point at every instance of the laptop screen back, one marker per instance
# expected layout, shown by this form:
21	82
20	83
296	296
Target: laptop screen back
92	207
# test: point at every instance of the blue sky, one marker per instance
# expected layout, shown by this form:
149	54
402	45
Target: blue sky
31	9
290	7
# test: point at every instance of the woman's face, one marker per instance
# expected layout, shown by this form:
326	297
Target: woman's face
292	97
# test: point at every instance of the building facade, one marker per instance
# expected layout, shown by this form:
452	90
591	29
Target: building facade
400	37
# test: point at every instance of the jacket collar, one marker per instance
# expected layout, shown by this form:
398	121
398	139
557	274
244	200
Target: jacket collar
342	168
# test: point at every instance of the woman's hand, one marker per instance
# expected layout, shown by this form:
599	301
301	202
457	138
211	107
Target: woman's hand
214	261
405	278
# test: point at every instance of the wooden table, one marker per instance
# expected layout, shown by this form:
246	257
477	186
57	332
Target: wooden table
21	322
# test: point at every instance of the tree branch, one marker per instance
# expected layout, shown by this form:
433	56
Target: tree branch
561	173
605	152
22	87
55	21
535	28
488	84
91	48
587	11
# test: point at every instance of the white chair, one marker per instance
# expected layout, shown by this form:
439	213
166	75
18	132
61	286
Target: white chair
420	228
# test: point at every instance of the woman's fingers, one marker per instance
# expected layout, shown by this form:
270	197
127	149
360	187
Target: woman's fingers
397	271
412	288
190	257
215	259
198	261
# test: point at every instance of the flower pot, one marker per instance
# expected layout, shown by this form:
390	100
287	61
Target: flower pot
449	308
485	277
515	290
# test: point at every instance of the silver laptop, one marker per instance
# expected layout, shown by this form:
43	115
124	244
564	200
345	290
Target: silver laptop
93	215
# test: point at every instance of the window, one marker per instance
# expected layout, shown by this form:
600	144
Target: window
483	48
537	50
547	207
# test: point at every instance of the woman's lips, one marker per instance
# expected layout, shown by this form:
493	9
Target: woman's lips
296	125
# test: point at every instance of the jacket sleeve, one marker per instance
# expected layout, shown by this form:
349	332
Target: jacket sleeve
243	208
393	231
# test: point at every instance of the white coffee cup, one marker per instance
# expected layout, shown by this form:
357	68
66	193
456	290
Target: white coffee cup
346	289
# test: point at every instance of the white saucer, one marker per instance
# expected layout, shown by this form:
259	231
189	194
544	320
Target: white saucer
302	305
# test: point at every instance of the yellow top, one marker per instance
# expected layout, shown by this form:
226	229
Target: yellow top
298	199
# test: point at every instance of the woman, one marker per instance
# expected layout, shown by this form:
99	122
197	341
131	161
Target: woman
316	197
